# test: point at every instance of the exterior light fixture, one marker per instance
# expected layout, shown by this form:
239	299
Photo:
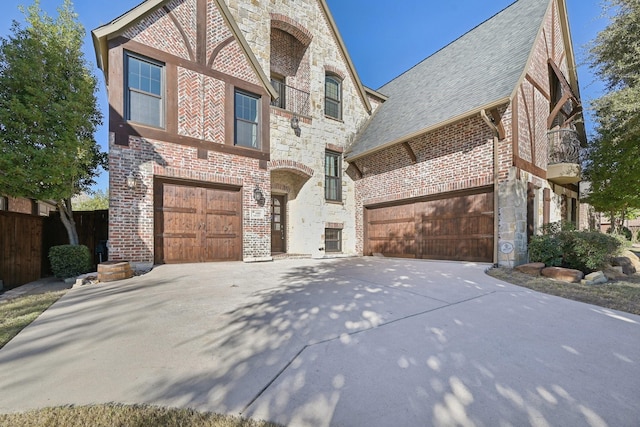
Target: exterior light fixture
258	196
132	181
295	125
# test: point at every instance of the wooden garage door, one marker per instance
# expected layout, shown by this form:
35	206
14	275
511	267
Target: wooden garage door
197	224
455	228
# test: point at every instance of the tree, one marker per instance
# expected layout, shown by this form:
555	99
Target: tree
613	154
94	202
48	111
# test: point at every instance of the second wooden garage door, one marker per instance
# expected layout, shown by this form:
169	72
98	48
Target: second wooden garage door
196	223
455	228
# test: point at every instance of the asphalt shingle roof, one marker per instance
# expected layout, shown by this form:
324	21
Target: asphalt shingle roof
481	67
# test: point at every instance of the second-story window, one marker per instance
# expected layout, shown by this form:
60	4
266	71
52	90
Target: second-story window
333	96
332	176
247	113
144	91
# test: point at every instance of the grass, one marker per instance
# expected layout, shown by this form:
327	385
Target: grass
16	314
114	415
623	295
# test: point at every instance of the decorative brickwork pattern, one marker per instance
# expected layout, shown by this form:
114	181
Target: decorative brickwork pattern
290	58
159	31
330	69
190	103
288	25
292	165
217	30
232	61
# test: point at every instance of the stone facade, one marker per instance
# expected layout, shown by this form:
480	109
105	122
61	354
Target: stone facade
303	49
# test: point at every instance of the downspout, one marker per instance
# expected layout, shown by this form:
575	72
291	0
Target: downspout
496	204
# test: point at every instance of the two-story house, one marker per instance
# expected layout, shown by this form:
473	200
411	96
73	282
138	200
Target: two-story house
240	130
228	124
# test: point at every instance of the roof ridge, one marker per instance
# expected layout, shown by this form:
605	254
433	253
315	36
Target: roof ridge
450	43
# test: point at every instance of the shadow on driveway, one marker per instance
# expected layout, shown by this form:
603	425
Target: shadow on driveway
362	341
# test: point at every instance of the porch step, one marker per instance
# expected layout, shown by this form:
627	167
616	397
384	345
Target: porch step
290	256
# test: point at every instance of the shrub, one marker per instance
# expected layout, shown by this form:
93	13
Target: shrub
581	250
546	248
69	260
590	250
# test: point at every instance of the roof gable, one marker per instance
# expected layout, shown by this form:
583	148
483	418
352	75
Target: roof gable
352	69
103	34
479	70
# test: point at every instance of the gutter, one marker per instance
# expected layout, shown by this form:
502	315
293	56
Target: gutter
496	199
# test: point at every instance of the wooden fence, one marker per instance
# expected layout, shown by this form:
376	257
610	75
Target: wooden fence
25	241
20	248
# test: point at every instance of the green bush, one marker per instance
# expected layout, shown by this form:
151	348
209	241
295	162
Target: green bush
69	260
581	250
546	248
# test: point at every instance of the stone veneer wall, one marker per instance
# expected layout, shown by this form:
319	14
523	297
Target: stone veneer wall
308	212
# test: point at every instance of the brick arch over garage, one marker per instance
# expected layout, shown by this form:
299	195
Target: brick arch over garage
288	25
297	168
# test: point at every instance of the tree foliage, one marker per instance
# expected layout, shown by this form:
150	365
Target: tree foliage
91	202
48	111
613	154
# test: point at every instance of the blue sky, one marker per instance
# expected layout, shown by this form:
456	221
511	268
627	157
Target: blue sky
384	38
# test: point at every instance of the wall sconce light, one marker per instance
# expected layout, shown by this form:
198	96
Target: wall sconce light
295	125
258	196
132	181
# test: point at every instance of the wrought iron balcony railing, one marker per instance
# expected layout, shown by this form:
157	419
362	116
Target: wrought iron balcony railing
291	99
564	146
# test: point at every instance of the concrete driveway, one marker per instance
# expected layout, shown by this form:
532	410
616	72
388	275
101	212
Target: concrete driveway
351	342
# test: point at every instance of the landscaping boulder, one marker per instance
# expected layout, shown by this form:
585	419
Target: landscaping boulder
613	273
624	262
595	278
564	274
532	269
633	257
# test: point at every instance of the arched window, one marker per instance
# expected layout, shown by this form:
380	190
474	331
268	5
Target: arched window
332	96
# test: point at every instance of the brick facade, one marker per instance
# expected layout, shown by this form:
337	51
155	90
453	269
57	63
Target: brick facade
191	148
209	49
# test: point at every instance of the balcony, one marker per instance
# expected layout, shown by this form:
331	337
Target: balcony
564	156
291	99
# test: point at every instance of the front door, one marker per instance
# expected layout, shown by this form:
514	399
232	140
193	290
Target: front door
278	214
